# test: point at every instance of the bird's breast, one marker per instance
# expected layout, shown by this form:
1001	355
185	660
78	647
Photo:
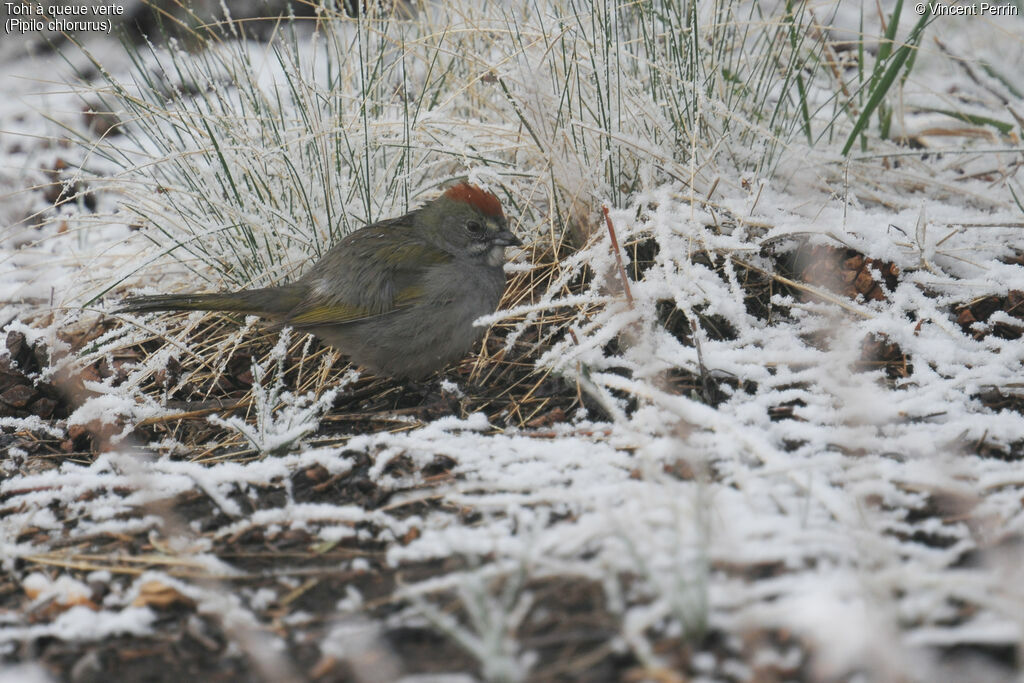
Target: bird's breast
474	287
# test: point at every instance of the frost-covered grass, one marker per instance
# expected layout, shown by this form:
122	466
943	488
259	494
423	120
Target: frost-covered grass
679	451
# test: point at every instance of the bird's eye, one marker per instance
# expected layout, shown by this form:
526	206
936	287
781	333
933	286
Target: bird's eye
474	228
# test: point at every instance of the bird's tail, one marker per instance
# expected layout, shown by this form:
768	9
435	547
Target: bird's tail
271	301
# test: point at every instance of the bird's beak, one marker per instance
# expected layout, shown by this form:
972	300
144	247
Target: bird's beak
506	239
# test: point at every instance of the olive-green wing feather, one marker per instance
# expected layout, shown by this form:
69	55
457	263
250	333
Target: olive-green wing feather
336	313
344	288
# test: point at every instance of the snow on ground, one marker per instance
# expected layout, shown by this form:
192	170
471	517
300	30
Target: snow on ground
877	522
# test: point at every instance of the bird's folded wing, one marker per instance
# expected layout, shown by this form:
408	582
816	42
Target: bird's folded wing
337	313
395	267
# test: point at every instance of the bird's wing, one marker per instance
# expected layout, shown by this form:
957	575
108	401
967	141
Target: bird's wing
390	279
336	312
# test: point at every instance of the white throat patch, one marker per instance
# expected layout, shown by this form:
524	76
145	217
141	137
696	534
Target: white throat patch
496	256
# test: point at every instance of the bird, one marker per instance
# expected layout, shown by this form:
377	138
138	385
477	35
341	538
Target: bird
398	296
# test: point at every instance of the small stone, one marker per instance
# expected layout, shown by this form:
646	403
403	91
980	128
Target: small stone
18	396
43	407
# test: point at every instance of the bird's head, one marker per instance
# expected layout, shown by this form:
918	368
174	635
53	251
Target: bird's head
468	222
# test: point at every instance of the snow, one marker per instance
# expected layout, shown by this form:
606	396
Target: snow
25	673
840	505
65	589
83	624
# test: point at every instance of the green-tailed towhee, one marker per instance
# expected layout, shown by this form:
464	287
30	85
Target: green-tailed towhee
398	296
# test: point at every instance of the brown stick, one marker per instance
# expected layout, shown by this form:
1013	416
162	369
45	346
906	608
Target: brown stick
618	255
